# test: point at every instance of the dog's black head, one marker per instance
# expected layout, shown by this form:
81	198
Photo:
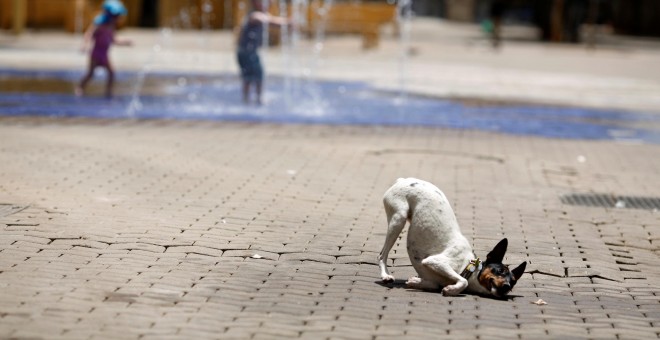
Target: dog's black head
495	276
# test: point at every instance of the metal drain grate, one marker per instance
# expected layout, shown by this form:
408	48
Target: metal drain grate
612	201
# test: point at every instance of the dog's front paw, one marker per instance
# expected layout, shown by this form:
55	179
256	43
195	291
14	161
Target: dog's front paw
455	289
387	278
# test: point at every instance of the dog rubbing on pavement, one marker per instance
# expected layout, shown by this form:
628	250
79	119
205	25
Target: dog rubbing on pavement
438	251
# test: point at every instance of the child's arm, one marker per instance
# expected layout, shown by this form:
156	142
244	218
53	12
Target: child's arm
269	19
87	38
123	42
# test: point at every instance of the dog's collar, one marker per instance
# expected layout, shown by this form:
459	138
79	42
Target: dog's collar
474	265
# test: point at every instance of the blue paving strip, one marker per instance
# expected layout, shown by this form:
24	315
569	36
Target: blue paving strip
217	97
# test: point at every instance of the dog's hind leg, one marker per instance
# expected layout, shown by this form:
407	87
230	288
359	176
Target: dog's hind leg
440	265
396	220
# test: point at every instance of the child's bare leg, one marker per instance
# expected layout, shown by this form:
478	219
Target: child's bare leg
111	81
246	91
85	79
258	86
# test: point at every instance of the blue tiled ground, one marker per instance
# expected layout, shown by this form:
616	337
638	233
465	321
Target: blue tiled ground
217	97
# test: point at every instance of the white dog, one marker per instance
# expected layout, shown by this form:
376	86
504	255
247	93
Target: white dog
439	252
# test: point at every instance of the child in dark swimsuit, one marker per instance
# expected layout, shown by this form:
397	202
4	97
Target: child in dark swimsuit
103	34
249	42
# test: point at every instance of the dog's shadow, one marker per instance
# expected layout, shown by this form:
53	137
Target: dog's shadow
397	283
401	284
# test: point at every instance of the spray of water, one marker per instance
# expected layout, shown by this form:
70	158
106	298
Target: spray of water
404	20
207	12
206	15
78	23
135	105
299	92
319	41
292	51
184	21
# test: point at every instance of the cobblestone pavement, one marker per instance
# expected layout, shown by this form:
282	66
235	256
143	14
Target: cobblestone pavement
163	229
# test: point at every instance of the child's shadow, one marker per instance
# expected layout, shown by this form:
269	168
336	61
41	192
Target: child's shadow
401	284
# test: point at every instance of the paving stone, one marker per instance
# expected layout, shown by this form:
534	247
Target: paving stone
172	256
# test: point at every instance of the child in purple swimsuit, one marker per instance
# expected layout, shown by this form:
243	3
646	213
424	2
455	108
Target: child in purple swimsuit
103	34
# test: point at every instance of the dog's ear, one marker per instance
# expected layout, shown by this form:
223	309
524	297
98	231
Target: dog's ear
518	271
497	254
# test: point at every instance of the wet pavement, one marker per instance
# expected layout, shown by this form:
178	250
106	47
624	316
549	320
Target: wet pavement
287	100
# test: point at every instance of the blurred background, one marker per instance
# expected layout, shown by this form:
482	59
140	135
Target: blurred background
560	68
556	20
